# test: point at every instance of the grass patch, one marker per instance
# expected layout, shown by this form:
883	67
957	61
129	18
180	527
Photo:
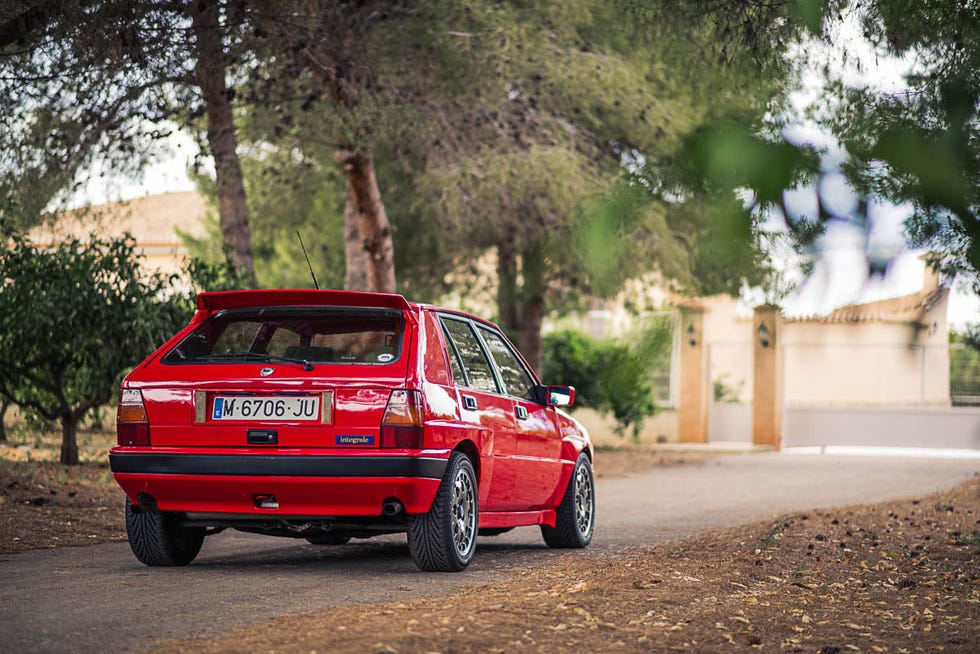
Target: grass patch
771	538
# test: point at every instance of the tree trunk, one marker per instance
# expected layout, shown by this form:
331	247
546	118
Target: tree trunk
5	404
69	442
507	309
532	305
222	137
367	232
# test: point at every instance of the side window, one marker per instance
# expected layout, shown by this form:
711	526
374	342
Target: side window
517	381
477	366
453	356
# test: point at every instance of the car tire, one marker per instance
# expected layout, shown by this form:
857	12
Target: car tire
328	539
444	538
575	517
157	540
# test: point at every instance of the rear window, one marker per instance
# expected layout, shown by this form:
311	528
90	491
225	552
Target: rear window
314	335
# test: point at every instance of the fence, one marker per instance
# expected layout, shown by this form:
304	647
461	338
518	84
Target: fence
964	375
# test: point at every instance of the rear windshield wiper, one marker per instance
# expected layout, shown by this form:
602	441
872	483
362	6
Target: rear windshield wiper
257	356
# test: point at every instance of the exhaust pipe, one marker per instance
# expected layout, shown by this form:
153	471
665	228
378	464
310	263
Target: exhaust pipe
391	508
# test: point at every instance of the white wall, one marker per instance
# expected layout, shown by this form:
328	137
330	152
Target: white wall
957	428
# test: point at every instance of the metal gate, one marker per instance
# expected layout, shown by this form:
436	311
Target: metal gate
730	377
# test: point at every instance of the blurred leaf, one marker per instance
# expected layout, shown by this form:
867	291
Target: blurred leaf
730	156
937	172
809	13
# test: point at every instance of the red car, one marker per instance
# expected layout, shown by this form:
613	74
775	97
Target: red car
331	415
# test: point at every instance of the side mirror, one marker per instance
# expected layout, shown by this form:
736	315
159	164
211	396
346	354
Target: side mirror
560	396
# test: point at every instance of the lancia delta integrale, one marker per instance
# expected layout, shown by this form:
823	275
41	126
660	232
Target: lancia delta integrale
331	415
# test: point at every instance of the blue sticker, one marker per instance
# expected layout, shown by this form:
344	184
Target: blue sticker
219	403
354	439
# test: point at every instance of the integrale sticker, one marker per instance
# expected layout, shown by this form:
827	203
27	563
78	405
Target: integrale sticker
354	439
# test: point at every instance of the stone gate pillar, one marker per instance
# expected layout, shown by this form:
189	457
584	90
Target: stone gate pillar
767	404
692	403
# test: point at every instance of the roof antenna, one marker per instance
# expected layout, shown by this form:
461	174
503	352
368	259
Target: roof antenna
316	285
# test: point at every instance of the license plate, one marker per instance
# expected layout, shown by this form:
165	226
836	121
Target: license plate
289	408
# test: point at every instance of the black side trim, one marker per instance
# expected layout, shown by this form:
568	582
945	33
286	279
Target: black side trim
277	466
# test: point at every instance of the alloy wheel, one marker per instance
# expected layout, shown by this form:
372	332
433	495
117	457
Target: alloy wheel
463	512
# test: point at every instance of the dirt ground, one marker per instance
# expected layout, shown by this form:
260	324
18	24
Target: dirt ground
44	504
893	577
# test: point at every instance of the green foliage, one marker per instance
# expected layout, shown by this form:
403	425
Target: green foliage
85	85
725	392
73	318
283	197
570	357
627	387
970	337
609	376
964	366
725	156
918	147
492	125
222	275
921	146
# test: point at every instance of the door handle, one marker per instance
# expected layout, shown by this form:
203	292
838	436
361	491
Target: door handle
521	412
469	402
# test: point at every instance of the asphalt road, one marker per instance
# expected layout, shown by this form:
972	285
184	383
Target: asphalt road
97	598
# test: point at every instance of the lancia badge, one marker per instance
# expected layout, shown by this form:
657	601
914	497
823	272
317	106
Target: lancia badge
265	372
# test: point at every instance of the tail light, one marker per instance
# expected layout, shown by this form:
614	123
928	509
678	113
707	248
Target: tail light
402	424
132	426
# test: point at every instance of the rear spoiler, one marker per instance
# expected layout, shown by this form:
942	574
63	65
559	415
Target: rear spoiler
218	300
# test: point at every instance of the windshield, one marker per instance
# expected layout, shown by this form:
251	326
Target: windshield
294	334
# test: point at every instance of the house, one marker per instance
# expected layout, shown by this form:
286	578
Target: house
153	220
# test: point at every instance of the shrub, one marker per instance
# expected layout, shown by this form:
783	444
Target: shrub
73	319
609	376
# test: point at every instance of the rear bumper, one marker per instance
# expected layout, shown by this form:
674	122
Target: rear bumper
302	484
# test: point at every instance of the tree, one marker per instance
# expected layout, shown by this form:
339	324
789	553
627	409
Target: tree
5	405
286	196
917	147
209	73
325	42
591	99
927	137
72	319
491	126
85	82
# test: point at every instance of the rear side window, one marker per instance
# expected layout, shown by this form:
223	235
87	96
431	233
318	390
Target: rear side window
475	362
517	381
454	362
316	335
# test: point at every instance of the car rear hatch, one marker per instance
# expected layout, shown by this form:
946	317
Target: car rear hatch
278	375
